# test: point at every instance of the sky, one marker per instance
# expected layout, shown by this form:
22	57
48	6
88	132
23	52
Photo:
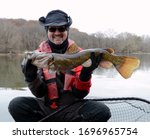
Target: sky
90	16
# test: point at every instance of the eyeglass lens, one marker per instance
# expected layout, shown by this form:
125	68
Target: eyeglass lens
60	29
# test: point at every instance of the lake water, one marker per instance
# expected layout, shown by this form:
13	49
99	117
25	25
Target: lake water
106	83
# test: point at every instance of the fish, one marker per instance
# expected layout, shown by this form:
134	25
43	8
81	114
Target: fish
125	65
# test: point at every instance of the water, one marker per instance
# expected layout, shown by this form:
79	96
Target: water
106	83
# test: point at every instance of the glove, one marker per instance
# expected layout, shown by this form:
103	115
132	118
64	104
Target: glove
29	70
87	71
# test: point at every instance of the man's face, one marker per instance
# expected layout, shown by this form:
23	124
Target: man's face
57	35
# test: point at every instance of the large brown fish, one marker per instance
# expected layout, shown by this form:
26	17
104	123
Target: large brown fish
125	65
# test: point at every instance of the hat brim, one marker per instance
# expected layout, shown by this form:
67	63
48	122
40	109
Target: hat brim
53	24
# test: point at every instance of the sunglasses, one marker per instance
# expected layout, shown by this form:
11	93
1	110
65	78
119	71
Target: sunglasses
60	29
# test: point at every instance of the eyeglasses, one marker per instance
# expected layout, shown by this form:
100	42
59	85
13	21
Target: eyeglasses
60	29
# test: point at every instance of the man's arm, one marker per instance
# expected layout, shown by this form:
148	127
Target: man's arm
37	87
83	82
33	78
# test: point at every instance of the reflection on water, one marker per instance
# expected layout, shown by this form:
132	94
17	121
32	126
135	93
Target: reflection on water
105	82
11	75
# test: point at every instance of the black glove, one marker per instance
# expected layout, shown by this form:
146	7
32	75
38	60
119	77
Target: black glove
29	70
87	71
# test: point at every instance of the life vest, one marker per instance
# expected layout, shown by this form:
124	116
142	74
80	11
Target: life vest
50	76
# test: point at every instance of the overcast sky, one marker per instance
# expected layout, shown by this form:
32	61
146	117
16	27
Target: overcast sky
89	16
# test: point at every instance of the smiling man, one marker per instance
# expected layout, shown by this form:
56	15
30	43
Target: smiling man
59	96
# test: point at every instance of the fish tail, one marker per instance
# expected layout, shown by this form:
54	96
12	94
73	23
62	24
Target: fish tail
126	65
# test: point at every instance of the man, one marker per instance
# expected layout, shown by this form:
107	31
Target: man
59	96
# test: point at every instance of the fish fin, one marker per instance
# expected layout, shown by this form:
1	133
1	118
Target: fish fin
87	63
127	66
73	49
110	50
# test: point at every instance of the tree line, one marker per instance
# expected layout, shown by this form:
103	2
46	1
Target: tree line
19	35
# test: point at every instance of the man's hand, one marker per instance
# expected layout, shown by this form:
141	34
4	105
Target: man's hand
29	70
95	60
87	71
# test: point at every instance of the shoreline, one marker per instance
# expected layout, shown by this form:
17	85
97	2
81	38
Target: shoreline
12	54
22	53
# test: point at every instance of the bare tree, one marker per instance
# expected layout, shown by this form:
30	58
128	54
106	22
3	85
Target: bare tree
18	35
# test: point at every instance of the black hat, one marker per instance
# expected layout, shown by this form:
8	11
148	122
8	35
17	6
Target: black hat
56	18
